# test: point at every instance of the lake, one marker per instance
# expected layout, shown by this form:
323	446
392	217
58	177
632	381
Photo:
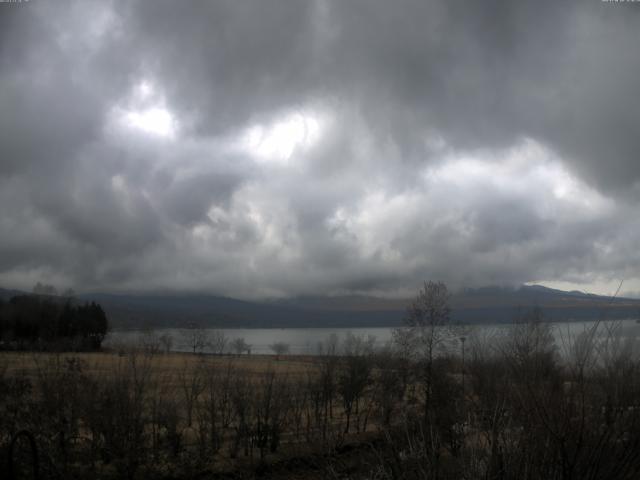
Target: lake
305	341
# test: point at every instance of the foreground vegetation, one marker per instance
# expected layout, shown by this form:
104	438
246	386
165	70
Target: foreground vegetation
441	403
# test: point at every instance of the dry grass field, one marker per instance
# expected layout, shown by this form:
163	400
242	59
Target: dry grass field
213	413
105	363
516	411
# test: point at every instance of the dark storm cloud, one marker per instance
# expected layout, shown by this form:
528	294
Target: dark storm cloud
276	148
480	74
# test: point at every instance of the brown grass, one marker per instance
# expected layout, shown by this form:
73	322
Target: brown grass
27	363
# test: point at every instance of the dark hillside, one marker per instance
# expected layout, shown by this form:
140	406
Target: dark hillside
482	305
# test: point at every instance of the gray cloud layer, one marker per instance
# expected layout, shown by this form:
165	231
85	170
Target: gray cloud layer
279	148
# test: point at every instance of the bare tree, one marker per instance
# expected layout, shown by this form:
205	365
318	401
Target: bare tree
355	345
196	338
279	348
530	345
149	341
239	346
427	323
218	341
389	385
192	384
353	379
329	346
166	340
215	412
270	408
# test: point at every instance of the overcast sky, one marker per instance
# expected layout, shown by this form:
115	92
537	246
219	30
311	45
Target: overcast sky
277	148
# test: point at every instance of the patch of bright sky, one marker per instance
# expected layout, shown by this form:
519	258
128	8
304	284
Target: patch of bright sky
527	173
528	169
376	221
145	111
277	142
156	121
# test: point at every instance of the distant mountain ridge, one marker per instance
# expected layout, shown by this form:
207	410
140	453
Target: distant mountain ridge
471	305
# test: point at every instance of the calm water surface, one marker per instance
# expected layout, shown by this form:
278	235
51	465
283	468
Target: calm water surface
306	340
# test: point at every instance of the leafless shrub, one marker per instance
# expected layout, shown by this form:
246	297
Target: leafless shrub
196	338
192	385
239	346
215	410
218	342
279	348
166	342
354	377
241	394
116	414
149	342
271	407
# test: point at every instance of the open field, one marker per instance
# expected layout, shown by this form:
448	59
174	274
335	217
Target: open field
212	413
105	363
515	409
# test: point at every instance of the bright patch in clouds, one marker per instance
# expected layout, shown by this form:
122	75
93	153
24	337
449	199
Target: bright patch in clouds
145	110
145	89
156	121
276	143
484	208
526	170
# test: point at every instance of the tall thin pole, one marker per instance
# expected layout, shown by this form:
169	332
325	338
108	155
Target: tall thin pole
463	339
